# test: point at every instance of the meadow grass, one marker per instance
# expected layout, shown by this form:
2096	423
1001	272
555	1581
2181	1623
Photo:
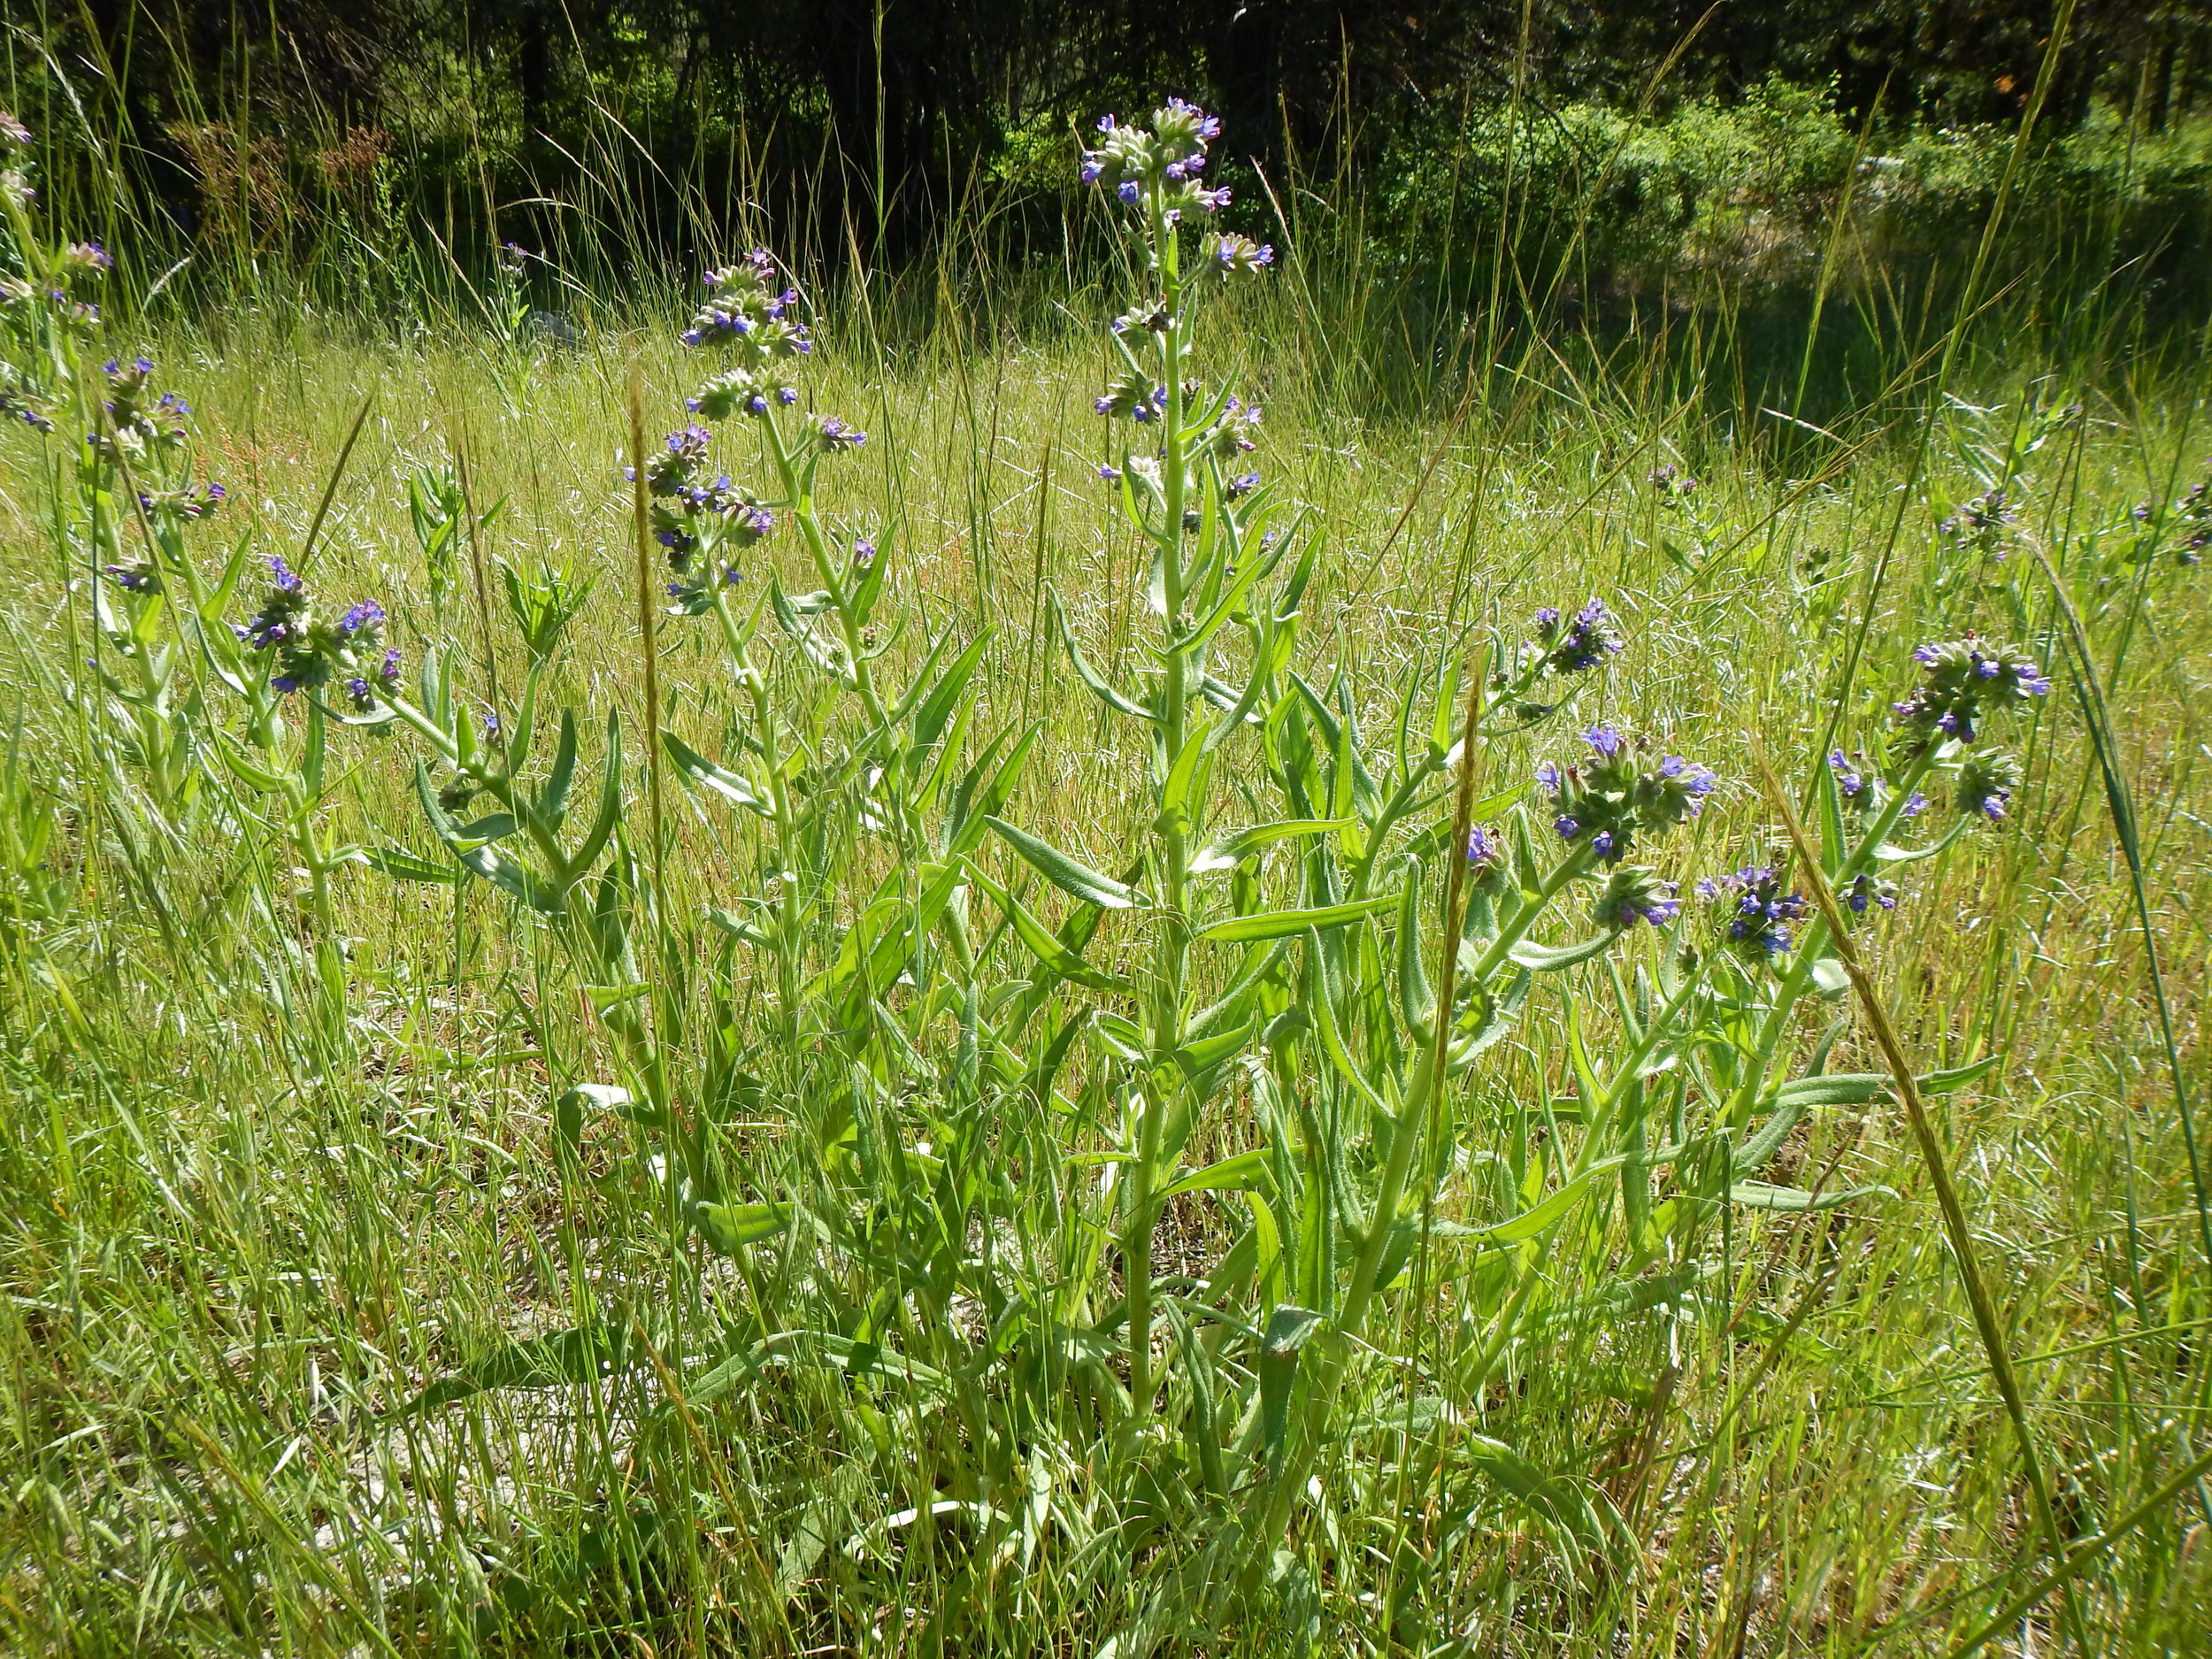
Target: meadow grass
251	1222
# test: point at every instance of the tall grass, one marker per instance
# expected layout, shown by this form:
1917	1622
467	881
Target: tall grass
360	1298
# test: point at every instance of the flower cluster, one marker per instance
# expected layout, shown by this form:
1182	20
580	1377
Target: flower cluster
363	691
15	184
135	577
47	295
1862	789
744	308
1604	802
1983	525
1986	782
1486	857
1232	255
20	398
1674	486
752	318
1233	431
309	651
1634	896
2194	512
1569	645
1869	892
739	391
1961	680
184	503
137	424
1136	394
834	434
1753	913
696	510
1160	170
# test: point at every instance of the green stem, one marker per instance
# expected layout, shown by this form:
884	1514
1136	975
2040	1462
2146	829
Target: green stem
1173	948
787	895
1800	977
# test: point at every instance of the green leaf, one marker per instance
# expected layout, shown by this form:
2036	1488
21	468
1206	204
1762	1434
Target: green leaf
1245	1170
1203	1054
406	867
1282	924
1958	1076
705	773
729	1228
545	1362
729	922
249	772
1076	880
1531	1222
492	827
553	798
1561	1501
1175	794
1239	585
1088	675
1289	1328
1122	1034
1835	1088
1759	1196
929	719
1551	958
1227	852
1044	945
604	997
609	801
973	800
568	1112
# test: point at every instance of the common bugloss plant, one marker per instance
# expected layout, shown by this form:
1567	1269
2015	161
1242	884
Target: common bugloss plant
1984	525
1602	803
1961	679
1756	915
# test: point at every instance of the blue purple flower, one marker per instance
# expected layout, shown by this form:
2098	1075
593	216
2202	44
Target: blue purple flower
1634	896
1575	644
1961	677
1756	914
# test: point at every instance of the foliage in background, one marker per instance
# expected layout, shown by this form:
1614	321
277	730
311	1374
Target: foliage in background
377	149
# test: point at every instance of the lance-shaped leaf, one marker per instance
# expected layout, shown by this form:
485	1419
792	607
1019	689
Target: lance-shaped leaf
1244	1171
1043	944
405	867
705	773
973	800
729	1228
553	798
1090	676
609	802
1282	924
1288	1329
1078	880
1551	958
492	827
936	709
1533	1220
1239	585
1759	1196
576	1355
1833	1088
1227	852
242	766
